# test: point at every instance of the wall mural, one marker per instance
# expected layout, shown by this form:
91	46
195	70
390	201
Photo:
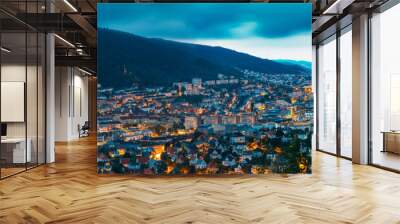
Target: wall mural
204	88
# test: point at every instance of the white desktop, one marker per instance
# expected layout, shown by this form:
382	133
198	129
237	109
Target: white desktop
13	149
19	155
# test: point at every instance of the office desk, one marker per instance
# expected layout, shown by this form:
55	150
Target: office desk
13	150
391	141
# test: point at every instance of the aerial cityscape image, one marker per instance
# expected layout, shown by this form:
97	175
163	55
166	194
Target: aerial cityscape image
204	88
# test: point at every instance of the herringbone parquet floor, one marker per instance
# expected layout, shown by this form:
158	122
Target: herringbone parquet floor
70	191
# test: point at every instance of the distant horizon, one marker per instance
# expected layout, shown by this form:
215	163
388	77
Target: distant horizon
233	26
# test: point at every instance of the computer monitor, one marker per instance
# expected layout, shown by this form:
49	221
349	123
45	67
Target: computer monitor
3	130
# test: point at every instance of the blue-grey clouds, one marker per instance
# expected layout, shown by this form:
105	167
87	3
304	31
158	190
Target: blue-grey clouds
207	20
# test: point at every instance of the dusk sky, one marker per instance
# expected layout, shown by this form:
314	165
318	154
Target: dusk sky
265	30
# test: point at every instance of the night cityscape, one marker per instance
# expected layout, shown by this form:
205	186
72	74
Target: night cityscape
202	95
258	123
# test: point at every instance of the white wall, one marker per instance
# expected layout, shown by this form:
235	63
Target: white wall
62	82
81	113
71	103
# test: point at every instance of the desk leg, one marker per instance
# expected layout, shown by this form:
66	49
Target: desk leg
384	142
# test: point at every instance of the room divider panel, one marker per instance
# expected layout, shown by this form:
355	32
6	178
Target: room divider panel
22	77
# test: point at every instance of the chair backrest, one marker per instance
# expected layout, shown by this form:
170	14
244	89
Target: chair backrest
86	125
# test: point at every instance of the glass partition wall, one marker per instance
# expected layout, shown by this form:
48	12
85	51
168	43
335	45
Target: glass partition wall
385	89
22	98
334	105
13	89
334	118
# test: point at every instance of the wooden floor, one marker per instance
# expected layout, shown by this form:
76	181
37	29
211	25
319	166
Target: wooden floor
5	172
70	191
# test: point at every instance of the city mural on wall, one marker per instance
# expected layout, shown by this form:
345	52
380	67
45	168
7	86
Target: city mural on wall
204	88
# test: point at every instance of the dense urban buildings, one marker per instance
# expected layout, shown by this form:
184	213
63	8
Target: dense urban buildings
257	123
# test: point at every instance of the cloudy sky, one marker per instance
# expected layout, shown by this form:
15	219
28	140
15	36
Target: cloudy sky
273	31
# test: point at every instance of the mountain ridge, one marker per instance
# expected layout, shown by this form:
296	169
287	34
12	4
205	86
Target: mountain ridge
303	63
126	59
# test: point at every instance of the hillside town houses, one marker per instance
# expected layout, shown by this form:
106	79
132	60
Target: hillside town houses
257	123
